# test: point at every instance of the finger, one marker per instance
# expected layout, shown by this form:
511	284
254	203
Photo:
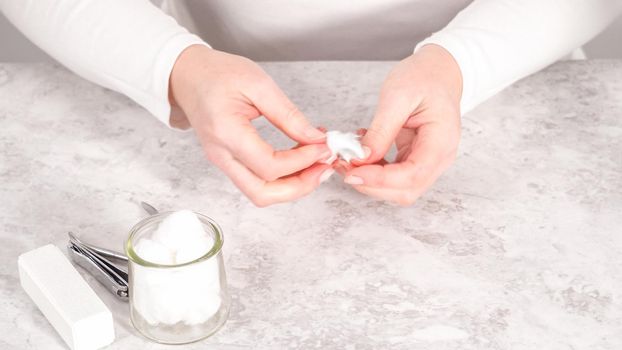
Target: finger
252	151
401	197
282	113
393	175
403	143
342	167
392	112
430	155
263	193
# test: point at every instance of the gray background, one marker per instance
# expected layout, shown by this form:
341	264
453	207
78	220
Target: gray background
14	47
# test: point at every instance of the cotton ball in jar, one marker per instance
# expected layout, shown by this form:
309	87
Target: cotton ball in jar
180	230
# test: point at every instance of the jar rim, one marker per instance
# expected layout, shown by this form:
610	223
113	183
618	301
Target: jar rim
134	257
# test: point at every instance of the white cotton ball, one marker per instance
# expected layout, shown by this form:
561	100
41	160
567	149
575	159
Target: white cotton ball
201	277
210	305
199	247
194	316
179	230
154	252
188	294
205	305
210	269
346	145
142	299
154	295
168	304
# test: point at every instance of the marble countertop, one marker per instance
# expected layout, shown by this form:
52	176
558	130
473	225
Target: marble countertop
517	245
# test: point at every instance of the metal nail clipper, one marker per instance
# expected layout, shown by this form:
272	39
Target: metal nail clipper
107	266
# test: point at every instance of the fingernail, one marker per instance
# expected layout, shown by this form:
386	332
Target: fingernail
326	175
329	160
325	155
353	180
314	133
366	153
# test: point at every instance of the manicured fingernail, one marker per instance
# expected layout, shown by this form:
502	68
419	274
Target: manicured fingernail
314	133
329	160
353	180
326	175
325	155
366	153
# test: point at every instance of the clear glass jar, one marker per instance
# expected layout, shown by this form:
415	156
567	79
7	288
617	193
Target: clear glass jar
177	304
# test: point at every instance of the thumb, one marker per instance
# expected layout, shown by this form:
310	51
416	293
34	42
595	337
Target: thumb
282	113
391	114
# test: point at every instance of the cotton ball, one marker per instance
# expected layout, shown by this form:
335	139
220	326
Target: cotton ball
210	271
202	277
199	247
346	145
204	310
211	305
204	305
154	252
143	301
154	295
154	288
168	305
194	316
179	230
188	294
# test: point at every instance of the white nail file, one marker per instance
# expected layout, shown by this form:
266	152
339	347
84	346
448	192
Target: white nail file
65	299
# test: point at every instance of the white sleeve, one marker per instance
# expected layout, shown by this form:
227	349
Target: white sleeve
129	46
497	42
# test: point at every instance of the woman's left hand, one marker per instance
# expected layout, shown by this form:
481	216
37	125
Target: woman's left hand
419	110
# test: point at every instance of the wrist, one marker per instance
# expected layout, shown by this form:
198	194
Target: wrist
184	78
445	69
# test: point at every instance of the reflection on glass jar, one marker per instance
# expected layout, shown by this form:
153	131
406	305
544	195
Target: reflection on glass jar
176	303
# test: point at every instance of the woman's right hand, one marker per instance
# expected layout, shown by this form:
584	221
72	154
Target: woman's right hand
219	95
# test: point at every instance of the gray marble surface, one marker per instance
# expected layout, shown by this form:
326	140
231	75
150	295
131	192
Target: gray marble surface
516	247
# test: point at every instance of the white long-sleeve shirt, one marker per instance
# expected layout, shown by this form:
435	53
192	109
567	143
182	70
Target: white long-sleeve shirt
131	45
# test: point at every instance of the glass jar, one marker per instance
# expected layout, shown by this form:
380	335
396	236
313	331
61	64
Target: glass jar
177	304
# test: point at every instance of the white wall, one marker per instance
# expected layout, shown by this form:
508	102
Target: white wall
14	47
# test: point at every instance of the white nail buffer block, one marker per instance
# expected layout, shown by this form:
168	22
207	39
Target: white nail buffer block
64	297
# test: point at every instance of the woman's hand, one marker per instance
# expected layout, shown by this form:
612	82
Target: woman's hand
419	110
220	94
